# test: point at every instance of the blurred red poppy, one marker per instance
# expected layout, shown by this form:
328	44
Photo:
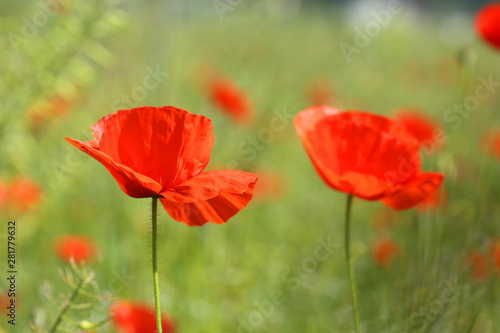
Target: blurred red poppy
3	193
231	100
365	155
162	151
23	193
487	24
383	250
491	142
4	302
477	262
497	255
138	318
320	92
52	108
271	185
422	127
78	247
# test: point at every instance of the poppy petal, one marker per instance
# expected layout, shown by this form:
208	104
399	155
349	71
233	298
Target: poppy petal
166	144
99	128
417	190
131	182
305	120
487	24
359	153
212	196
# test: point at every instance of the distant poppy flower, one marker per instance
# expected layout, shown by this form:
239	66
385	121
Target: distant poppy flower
78	247
365	155
320	92
52	108
383	250
487	24
4	302
271	185
231	100
422	127
491	143
138	318
3	193
23	193
478	264
162	151
496	254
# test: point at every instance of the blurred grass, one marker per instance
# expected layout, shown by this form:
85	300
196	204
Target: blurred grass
212	276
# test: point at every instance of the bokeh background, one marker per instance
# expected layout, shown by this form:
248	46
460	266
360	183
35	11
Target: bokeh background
66	64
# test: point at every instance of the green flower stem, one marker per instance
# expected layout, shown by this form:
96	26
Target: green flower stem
348	261
67	305
154	207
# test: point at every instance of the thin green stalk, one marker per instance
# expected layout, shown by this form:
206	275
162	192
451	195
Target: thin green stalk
348	261
154	207
67	305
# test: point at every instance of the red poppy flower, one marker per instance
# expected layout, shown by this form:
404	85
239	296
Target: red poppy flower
491	142
23	193
497	255
366	155
271	186
383	250
320	92
478	264
162	151
52	108
422	127
231	100
78	247
3	193
137	318
487	23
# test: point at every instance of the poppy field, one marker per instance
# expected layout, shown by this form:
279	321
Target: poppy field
249	166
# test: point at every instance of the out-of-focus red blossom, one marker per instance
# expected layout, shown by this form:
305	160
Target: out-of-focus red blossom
5	302
78	247
138	318
491	143
496	254
3	193
383	250
365	155
162	151
22	194
422	127
230	99
271	185
320	92
53	108
433	202
477	262
483	266
487	24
